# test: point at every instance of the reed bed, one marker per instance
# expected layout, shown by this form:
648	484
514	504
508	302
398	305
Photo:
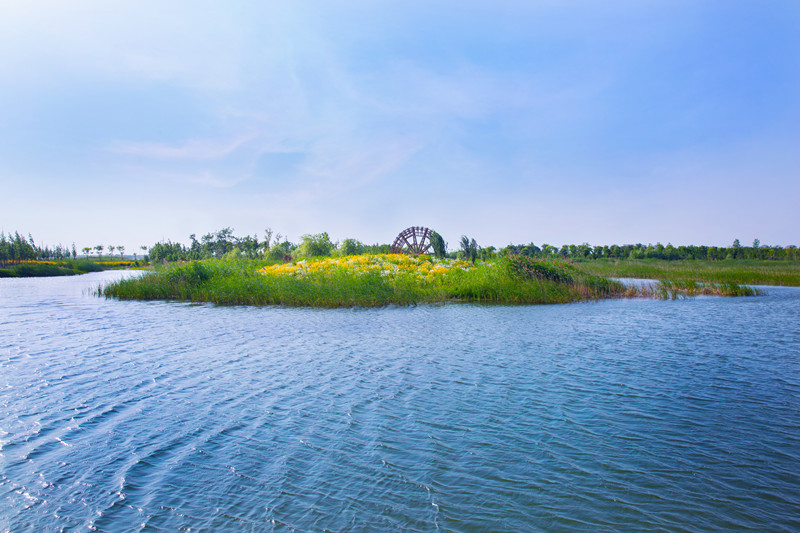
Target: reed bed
672	290
375	280
738	271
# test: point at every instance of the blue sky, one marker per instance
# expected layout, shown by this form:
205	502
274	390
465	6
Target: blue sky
539	121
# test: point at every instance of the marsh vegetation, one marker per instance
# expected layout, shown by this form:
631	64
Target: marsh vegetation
714	267
739	271
384	279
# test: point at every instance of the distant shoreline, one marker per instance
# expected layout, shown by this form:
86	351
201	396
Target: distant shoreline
62	267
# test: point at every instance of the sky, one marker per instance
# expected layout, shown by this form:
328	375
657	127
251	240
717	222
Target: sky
544	121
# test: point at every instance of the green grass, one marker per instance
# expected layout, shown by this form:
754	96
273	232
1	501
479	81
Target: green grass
510	281
60	268
738	271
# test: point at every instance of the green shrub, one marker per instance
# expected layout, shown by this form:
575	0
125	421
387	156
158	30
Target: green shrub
350	247
530	268
318	245
86	266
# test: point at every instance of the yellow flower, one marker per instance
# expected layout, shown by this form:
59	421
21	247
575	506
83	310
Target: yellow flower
386	265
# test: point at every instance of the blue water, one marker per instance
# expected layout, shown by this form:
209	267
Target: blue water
633	415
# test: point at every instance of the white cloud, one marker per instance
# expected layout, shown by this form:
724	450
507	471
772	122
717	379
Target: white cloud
195	149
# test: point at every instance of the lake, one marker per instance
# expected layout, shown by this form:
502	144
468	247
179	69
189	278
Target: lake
626	415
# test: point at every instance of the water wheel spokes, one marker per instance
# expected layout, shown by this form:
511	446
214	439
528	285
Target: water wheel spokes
412	241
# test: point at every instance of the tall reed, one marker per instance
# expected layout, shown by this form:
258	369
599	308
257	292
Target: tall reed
740	271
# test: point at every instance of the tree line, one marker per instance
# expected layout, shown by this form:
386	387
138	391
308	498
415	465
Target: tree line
658	251
273	246
15	248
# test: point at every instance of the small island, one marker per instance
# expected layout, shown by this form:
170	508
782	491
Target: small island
416	269
392	279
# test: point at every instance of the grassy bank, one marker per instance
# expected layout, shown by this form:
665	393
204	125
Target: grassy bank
372	280
31	269
740	271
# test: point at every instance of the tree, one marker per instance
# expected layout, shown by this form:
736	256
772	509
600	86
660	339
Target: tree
584	249
249	245
469	249
438	245
226	241
5	249
98	249
86	250
756	244
280	251
351	247
111	249
315	245
268	239
121	250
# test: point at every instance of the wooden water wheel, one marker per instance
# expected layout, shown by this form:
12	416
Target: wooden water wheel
412	241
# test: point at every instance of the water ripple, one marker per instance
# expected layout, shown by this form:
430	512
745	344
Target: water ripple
614	416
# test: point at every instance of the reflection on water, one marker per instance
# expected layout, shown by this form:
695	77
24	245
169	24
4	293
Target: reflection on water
616	415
